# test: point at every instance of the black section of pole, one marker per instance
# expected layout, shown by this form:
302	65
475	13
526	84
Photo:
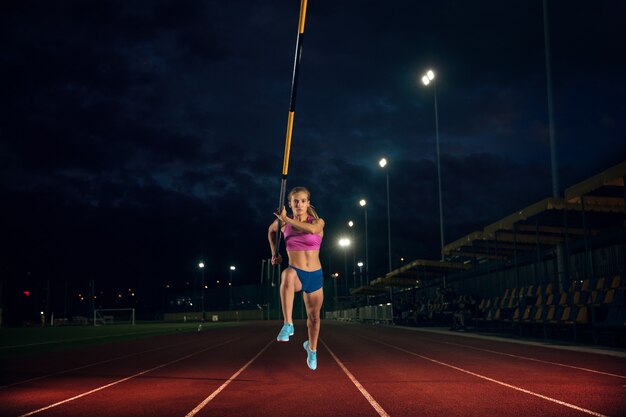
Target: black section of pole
292	108
281	205
296	73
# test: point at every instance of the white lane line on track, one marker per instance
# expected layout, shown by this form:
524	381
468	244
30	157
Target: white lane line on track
358	385
124	379
554	400
534	359
225	384
37	378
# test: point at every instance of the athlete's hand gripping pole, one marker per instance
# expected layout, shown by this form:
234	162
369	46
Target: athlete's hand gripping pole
292	109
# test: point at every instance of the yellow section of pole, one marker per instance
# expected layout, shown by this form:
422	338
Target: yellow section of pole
288	142
302	16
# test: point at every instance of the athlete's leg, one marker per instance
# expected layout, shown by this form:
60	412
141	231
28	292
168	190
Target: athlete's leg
289	285
313	302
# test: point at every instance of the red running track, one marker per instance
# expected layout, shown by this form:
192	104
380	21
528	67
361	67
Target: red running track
362	371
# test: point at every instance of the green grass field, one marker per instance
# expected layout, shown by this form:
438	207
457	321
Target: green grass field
31	340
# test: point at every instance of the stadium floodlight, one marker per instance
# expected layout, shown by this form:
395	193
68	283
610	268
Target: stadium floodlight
428	77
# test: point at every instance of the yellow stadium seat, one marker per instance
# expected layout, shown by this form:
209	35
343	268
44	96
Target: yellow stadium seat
585	285
616	282
600	284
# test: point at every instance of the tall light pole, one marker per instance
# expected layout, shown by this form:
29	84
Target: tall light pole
335	277
201	266
383	164
562	266
363	204
230	287
553	154
351	226
344	242
360	265
427	79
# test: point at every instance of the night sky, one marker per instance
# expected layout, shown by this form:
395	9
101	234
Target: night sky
140	137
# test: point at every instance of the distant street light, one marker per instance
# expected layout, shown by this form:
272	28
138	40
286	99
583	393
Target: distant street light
363	204
230	287
344	242
360	265
426	80
201	266
351	225
335	277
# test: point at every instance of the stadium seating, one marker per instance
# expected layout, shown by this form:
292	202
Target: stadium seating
541	310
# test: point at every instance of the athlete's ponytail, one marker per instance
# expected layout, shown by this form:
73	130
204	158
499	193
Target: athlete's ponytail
311	212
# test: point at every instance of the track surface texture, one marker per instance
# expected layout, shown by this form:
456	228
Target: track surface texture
363	370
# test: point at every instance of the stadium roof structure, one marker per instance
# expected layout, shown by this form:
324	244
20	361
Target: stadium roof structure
589	208
410	275
368	290
606	187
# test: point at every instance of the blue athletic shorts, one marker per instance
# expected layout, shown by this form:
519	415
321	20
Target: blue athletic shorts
311	280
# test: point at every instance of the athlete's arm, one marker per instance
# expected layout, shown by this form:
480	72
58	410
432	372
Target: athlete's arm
271	237
315	227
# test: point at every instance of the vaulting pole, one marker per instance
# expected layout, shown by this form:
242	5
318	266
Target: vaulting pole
292	109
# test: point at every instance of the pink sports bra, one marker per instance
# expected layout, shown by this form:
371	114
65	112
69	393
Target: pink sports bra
297	240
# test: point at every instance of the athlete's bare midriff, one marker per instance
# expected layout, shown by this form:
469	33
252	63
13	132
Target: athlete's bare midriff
307	260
